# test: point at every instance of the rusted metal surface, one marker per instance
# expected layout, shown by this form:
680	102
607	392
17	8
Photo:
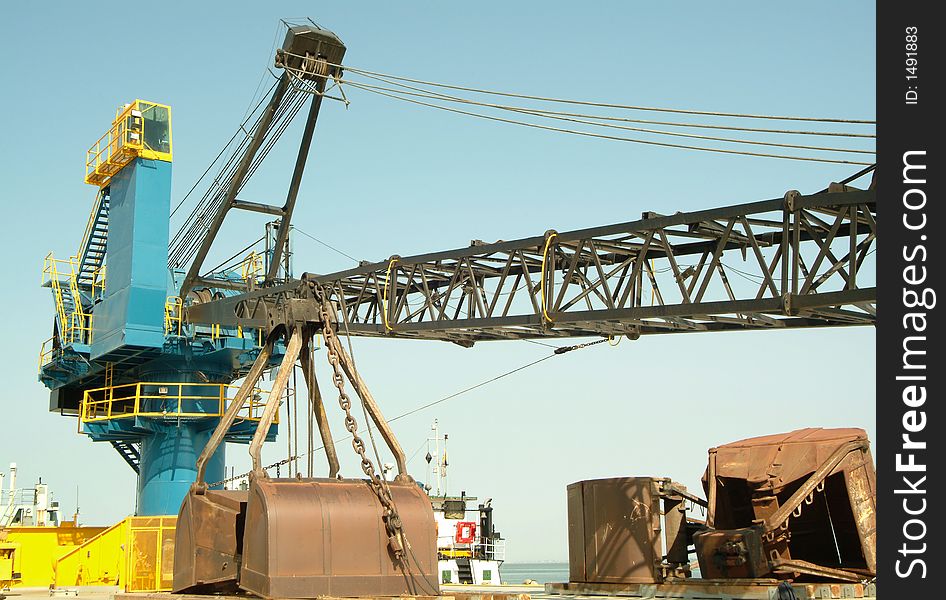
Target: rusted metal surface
809	495
614	530
308	538
731	554
709	589
321	537
447	596
209	542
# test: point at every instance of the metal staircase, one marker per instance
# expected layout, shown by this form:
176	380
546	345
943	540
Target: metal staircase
129	452
464	570
92	249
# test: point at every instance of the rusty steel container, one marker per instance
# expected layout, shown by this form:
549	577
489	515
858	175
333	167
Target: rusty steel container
614	533
325	537
209	542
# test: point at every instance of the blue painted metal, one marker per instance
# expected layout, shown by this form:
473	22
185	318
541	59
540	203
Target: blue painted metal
128	333
132	312
167	468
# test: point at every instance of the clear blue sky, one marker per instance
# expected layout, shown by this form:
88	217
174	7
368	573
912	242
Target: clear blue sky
388	178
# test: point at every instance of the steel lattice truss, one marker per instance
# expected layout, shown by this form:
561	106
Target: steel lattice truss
797	261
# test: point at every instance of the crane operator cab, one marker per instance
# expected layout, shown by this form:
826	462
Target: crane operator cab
305	537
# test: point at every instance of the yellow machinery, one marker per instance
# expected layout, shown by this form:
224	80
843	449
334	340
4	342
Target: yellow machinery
38	550
28	555
136	554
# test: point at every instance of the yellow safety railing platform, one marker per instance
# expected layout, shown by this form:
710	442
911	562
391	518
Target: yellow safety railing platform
76	324
48	352
140	129
171	400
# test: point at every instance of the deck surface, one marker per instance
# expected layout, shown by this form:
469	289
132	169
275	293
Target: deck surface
694	589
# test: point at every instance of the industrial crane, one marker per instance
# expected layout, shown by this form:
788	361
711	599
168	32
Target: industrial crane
146	352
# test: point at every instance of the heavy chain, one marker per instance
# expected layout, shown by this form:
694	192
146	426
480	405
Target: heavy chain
392	521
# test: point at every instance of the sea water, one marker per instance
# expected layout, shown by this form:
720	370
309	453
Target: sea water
543	572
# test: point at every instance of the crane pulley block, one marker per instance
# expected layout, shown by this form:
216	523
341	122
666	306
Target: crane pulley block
306	44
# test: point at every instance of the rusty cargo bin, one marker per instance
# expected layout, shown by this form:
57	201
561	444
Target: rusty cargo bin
811	496
325	537
209	542
614	530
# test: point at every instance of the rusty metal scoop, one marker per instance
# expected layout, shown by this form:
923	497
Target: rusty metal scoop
305	538
325	537
209	538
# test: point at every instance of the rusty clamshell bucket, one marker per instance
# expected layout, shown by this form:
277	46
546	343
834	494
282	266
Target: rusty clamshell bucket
209	542
304	538
325	537
209	539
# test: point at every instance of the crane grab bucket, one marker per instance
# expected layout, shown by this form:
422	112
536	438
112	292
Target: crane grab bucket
209	542
307	538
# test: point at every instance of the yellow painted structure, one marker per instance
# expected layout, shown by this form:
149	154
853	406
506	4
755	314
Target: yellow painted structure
167	400
140	129
136	554
28	555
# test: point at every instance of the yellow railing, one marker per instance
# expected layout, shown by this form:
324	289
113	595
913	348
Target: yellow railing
76	323
116	148
252	266
47	353
129	137
173	315
98	282
51	275
173	400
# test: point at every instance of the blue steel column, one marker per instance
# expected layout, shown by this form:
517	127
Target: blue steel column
167	468
130	321
169	454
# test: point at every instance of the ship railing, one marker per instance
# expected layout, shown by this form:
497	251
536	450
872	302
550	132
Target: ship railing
168	400
493	549
10	500
18	497
489	549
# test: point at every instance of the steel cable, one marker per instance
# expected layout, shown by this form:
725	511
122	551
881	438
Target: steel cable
608	104
190	237
366	72
561	117
613	137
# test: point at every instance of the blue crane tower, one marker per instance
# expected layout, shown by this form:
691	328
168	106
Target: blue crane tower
120	357
123	357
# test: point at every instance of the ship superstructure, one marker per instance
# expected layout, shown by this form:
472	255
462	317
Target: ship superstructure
27	507
469	549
